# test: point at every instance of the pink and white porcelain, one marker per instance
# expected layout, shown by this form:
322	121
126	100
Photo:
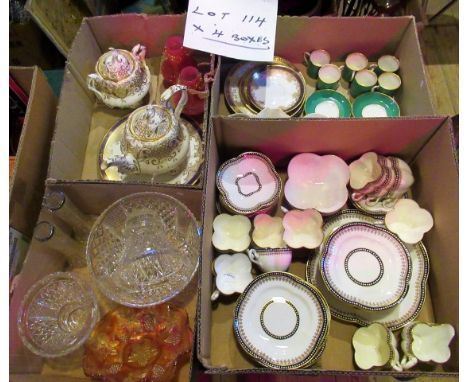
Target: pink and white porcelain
366	266
248	184
317	182
272	259
375	176
268	231
409	221
303	229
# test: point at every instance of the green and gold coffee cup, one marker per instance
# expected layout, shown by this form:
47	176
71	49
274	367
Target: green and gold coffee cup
386	64
363	82
354	63
329	77
388	83
315	60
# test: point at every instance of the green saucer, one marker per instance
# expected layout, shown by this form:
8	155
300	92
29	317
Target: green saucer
375	104
328	103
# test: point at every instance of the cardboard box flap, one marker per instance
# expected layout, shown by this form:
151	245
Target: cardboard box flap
27	184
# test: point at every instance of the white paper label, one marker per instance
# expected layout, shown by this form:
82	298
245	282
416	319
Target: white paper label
242	29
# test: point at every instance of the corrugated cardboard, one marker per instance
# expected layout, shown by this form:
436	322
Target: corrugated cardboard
424	142
91	199
81	121
372	36
27	185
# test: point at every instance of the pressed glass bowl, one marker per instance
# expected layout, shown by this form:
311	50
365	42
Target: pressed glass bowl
143	249
57	315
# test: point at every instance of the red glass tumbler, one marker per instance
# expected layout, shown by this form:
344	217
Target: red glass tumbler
191	77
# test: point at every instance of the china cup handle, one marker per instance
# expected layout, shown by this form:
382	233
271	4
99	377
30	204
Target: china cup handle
373	66
353	74
253	256
374	88
215	295
306	57
167	95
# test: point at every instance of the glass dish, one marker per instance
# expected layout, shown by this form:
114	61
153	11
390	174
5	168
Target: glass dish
143	249
57	315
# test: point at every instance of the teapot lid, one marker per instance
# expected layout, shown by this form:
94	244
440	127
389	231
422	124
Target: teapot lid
150	123
115	65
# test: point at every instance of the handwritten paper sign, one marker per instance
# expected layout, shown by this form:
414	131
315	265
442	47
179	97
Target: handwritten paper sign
242	29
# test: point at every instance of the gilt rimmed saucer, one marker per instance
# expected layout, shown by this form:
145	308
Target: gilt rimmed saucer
394	318
366	266
187	173
282	321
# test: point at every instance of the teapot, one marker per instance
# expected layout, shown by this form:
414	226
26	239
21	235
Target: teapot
154	141
122	78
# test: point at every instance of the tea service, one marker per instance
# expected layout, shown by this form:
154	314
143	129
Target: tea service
371	269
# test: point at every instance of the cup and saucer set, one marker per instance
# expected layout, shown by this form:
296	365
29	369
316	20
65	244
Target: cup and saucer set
372	87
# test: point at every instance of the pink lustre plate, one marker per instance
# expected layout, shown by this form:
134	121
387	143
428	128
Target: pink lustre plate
366	266
248	184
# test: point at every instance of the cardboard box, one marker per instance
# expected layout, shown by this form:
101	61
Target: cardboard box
425	143
60	20
27	184
372	36
91	199
81	122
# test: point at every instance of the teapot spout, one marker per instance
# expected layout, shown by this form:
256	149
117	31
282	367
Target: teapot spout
126	164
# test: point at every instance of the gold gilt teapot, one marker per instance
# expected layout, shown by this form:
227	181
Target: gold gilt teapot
153	142
122	78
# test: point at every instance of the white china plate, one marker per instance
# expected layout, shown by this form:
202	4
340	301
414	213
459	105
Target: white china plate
366	266
282	321
187	173
394	318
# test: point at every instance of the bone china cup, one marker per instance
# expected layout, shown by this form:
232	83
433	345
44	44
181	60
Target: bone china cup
354	63
315	60
329	77
269	260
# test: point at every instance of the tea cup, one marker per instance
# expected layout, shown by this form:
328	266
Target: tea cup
386	64
364	81
270	260
315	60
329	77
354	63
388	83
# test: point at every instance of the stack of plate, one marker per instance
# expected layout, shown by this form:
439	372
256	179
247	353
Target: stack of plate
253	86
367	274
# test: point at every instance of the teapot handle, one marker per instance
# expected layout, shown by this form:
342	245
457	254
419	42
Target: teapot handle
167	95
139	51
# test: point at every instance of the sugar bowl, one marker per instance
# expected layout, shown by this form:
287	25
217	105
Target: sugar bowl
122	78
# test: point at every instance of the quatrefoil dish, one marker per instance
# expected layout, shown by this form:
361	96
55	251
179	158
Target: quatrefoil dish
248	184
231	233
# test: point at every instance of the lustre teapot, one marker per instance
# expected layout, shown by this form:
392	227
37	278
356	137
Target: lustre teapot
154	141
122	78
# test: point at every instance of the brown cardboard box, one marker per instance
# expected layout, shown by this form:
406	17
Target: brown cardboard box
81	122
372	36
425	143
27	184
91	199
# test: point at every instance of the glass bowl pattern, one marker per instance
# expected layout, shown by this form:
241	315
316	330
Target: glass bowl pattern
143	249
57	315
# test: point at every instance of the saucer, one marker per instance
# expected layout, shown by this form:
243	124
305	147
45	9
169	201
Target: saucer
232	93
274	85
282	321
329	103
394	318
372	206
375	105
187	173
366	266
